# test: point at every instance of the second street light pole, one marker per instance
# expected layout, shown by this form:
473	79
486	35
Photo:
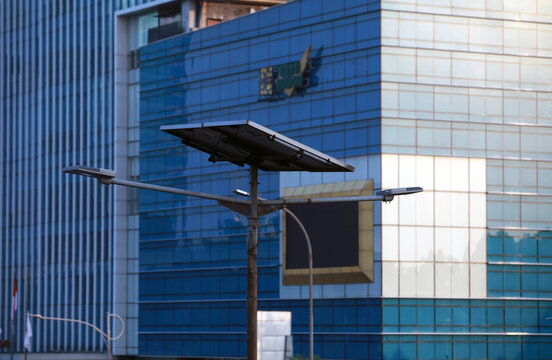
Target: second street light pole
107	337
311	310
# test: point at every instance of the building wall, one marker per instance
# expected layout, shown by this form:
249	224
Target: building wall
56	99
466	114
451	96
434	243
192	252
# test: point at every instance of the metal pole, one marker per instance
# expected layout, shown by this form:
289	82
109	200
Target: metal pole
108	337
311	316
323	200
253	222
105	336
171	190
26	309
12	323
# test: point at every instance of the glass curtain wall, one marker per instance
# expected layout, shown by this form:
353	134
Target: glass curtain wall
466	113
56	100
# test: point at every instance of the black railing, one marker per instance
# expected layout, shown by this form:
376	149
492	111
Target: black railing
164	31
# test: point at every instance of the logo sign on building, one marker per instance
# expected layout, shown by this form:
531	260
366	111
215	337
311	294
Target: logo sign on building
285	78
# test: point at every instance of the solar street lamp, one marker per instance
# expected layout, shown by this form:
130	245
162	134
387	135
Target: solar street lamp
245	142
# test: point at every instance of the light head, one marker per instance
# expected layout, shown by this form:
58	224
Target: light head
241	192
389	194
104	176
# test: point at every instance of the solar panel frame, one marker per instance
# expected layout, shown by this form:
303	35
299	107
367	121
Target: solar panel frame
246	142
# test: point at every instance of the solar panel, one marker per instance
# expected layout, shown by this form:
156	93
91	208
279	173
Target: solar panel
246	142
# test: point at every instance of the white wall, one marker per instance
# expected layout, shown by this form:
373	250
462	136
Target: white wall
272	329
433	243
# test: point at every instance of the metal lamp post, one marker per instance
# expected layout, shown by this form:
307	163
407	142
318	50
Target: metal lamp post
107	337
311	282
245	142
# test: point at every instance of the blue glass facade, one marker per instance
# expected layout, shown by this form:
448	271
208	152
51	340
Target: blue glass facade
192	252
453	96
56	106
47	79
447	97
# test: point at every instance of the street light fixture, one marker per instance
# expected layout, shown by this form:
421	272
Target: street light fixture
246	142
104	176
389	194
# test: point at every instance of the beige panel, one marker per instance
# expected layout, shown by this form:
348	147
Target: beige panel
362	273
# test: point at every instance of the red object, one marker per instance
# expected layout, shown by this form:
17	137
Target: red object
14	300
